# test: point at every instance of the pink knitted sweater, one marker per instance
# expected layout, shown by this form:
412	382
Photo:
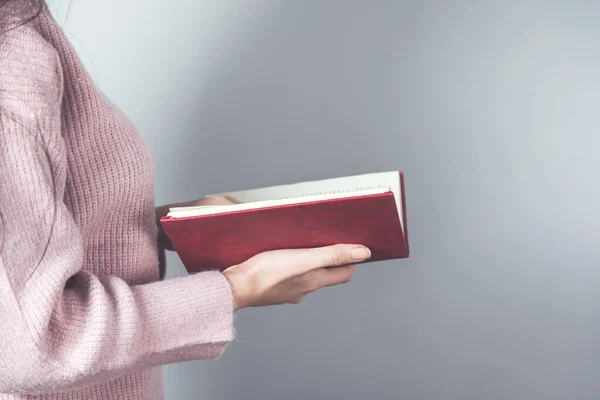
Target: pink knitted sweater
83	313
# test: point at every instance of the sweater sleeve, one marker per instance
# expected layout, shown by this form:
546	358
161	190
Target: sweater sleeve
62	327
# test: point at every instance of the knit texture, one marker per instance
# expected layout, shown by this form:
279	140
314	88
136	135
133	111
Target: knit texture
83	312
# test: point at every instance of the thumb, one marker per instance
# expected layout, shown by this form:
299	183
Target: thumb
335	256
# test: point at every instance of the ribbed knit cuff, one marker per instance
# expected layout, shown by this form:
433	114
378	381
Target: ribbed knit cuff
186	318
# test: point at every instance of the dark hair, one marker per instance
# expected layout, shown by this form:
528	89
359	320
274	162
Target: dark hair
27	11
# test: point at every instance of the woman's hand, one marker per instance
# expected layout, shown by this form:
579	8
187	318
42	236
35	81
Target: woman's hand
217	200
287	276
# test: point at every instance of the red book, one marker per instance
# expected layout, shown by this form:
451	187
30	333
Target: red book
367	209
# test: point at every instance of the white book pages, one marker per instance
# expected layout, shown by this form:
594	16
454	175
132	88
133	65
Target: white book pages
304	192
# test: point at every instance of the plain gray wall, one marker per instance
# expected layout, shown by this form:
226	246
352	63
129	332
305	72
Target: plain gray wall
492	110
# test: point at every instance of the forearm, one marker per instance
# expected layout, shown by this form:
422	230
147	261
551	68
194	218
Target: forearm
99	328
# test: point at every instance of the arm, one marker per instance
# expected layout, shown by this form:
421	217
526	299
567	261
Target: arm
62	327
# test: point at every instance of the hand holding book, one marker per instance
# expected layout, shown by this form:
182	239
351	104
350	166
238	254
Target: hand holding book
277	244
287	276
366	209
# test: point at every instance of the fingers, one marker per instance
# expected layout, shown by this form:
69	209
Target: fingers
325	277
218	200
230	199
284	276
334	256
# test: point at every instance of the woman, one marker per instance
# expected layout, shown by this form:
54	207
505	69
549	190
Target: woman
84	313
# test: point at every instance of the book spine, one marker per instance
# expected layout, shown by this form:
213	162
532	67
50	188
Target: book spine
404	213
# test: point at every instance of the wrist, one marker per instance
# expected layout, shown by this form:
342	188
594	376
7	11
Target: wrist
239	289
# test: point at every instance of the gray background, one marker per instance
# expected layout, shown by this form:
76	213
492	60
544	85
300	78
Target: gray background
492	111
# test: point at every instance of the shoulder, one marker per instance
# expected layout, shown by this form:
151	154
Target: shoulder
30	74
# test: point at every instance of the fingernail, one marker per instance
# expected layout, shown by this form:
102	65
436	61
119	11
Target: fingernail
361	253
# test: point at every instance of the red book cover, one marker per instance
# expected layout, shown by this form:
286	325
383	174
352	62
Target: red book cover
221	240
